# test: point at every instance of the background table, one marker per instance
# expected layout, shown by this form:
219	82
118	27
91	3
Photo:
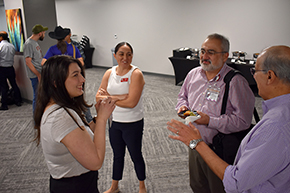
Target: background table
88	57
245	70
182	66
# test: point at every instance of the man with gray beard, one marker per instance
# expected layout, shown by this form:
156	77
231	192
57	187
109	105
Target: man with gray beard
203	91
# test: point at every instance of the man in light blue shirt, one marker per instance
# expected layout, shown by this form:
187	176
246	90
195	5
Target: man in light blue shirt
262	163
7	52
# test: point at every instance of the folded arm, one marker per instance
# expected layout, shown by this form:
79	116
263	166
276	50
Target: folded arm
129	100
135	90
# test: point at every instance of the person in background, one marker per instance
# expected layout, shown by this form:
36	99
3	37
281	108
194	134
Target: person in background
202	90
262	163
76	44
62	47
125	82
7	71
33	56
74	150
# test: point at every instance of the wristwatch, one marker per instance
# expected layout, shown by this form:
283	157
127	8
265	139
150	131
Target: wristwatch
193	143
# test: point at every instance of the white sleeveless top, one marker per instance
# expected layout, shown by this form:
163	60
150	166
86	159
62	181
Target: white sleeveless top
118	85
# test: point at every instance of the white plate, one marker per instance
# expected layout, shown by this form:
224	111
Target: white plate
191	119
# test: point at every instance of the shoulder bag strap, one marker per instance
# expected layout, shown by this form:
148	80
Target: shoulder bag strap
228	77
74	51
227	80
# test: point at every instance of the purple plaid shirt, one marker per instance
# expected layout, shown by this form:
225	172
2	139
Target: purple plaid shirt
263	160
240	104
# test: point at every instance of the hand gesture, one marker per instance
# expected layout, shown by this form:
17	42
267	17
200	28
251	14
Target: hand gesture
105	107
183	132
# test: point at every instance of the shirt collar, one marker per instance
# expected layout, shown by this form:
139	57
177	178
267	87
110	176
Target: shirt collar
277	101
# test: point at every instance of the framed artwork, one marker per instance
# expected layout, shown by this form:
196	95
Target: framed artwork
15	28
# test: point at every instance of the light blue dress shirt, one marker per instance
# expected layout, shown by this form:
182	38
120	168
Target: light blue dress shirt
263	160
7	52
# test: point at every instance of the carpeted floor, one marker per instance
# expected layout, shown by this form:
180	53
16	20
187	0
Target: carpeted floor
24	170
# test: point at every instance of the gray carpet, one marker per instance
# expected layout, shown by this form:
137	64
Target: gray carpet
23	168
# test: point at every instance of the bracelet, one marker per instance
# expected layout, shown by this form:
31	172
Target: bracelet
94	118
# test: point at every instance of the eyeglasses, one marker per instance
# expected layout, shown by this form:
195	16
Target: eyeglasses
210	52
253	70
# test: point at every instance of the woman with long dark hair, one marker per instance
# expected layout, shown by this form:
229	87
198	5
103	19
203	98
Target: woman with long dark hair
74	150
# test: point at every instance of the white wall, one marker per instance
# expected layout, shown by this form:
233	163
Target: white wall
3	24
156	27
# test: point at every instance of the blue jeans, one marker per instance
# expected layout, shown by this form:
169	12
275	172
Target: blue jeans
34	83
88	115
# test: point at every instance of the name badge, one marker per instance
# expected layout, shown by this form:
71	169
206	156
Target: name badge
212	93
124	79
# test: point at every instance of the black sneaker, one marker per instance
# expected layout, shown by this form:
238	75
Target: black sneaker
3	108
18	104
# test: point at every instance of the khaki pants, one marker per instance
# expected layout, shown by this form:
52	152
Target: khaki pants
202	178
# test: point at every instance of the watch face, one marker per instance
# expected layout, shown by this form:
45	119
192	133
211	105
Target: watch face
192	144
